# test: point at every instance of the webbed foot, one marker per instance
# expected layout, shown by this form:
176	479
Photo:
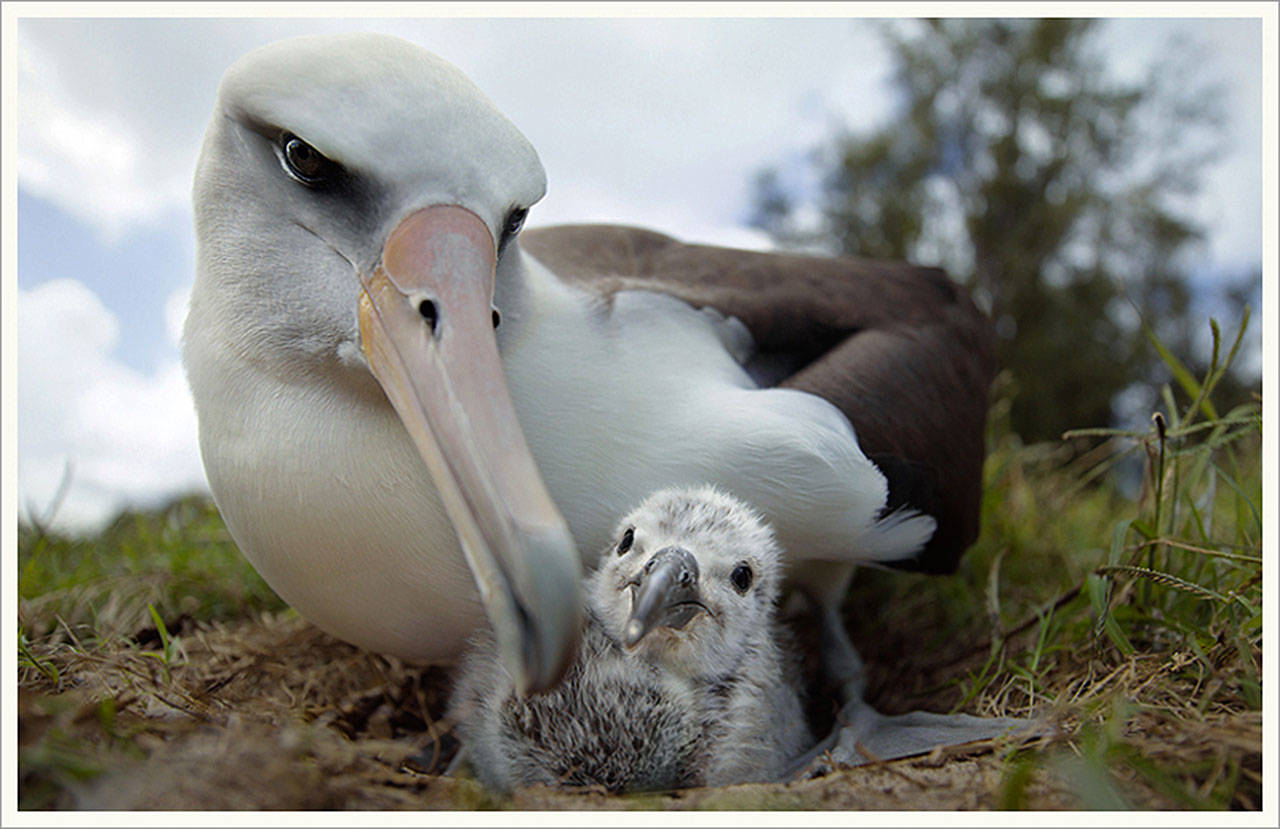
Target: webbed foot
864	735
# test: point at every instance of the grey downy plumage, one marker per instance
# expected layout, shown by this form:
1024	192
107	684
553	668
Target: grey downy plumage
679	679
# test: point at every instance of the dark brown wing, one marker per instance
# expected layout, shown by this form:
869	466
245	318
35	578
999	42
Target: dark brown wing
901	350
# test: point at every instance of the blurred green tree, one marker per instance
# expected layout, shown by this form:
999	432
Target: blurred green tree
1050	188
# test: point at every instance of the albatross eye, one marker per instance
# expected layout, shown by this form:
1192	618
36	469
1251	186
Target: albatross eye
628	538
304	162
741	577
515	221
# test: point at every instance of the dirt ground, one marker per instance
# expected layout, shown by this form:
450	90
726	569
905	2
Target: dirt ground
272	714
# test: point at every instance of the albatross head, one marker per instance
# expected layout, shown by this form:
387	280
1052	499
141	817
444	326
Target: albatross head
690	582
354	204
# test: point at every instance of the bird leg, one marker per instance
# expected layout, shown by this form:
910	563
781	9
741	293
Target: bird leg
840	659
864	735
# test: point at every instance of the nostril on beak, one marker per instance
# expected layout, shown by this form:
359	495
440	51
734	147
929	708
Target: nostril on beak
427	309
497	318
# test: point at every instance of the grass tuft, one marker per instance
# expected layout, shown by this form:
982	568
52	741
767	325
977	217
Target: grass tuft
148	573
1118	576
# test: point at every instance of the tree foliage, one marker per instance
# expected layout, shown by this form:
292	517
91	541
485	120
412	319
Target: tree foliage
1047	186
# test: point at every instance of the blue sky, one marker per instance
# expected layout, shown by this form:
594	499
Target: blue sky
125	273
656	122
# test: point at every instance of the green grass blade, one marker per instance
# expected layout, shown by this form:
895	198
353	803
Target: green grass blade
1235	346
1118	535
1240	492
1101	432
1166	579
1180	373
1210	376
1204	551
1117	636
166	641
1232	418
26	657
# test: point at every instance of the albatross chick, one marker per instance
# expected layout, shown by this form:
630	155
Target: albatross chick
680	678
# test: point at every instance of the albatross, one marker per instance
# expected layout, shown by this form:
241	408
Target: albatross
413	416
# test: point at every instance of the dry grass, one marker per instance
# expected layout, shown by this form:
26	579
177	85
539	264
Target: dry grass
269	713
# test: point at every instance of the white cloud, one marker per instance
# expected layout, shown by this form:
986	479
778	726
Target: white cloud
111	112
90	158
666	124
128	437
1226	53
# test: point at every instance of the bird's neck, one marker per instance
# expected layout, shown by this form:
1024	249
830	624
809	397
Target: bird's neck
527	293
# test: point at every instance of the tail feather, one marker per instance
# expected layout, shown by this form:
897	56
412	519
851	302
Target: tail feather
899	535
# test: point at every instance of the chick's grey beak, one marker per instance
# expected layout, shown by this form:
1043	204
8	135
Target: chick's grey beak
426	326
666	594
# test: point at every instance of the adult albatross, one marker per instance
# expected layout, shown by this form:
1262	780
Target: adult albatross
399	397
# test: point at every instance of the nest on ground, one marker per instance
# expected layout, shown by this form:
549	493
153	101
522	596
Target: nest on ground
270	713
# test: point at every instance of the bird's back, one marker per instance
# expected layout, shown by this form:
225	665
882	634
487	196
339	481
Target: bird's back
901	350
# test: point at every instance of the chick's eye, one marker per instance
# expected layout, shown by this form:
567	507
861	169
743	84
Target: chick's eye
628	538
741	577
304	162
